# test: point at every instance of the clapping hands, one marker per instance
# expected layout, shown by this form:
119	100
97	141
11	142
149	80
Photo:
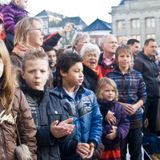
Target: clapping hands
63	128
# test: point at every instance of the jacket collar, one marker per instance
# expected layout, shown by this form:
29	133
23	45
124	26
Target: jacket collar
60	92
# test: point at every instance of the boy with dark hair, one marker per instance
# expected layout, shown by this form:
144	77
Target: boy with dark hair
81	104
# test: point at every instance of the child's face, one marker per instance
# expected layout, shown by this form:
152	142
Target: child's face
52	58
22	3
108	93
124	60
36	73
74	76
90	59
1	67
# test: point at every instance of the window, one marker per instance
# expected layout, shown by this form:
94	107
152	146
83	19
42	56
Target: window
138	37
120	24
151	36
135	23
45	27
150	22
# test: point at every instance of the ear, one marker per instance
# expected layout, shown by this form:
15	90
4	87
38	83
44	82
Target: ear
22	74
62	73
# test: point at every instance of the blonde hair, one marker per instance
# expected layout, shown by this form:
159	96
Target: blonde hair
7	82
22	30
101	86
34	55
123	49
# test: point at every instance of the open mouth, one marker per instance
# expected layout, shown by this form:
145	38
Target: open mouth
92	62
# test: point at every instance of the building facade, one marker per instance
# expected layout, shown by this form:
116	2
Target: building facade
138	19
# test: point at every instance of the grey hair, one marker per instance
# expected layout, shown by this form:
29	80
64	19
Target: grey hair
87	47
78	37
104	38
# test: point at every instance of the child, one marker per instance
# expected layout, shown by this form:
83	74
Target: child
14	113
81	104
132	95
47	111
115	128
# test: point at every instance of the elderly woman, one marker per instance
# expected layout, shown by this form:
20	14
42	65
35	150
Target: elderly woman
92	72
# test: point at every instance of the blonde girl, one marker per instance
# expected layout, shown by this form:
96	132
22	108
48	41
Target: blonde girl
115	123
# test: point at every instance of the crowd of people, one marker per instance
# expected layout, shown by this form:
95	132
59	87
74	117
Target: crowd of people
87	101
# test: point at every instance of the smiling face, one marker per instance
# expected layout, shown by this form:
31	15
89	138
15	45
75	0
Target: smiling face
109	46
124	60
36	73
52	57
90	59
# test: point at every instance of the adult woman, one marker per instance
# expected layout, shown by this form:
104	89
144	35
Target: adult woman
90	54
29	35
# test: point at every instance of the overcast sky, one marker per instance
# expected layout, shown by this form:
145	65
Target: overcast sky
88	10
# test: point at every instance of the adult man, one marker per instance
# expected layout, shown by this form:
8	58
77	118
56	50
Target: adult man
134	45
145	63
107	58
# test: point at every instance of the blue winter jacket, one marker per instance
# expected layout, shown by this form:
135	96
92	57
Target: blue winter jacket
87	118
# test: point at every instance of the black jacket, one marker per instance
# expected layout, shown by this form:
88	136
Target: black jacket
48	109
90	78
149	70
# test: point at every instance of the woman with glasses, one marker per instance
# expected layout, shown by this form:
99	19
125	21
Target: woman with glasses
29	36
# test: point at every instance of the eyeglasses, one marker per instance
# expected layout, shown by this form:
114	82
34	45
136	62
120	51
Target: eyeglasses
38	29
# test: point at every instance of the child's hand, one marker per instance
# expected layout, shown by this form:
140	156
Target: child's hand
61	129
91	150
128	108
83	149
113	133
110	118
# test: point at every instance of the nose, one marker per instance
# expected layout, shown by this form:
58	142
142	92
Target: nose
81	74
37	74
